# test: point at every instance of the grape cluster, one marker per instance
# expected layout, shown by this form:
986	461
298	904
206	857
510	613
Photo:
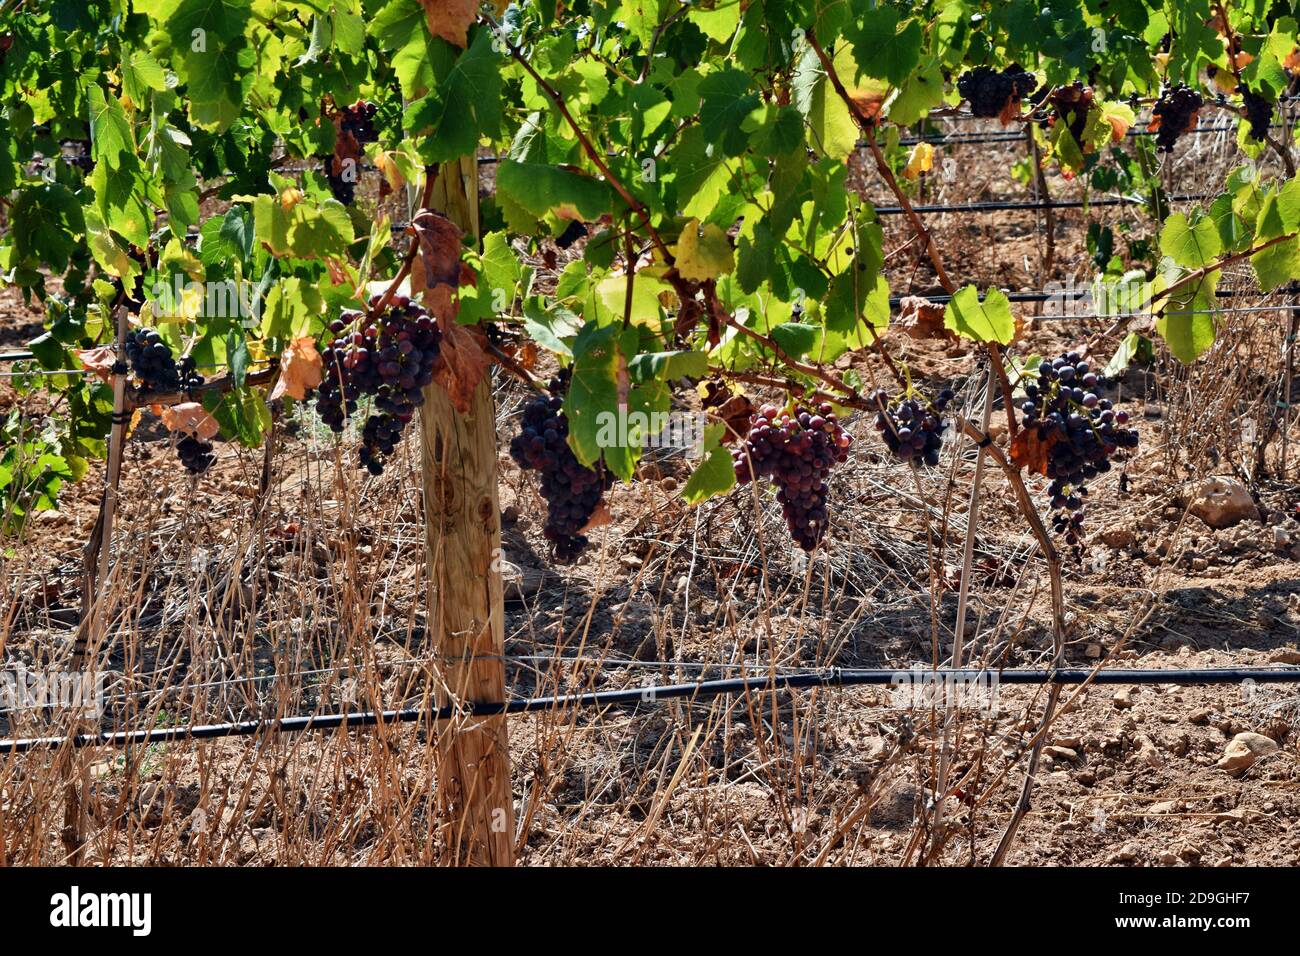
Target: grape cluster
1176	110
390	358
359	120
356	128
155	368
989	92
196	455
1072	105
572	491
1259	113
797	450
1082	431
912	428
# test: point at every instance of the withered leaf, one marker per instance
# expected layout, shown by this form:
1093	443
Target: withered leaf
301	370
190	418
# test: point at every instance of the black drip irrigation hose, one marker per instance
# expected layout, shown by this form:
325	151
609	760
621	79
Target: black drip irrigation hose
651	694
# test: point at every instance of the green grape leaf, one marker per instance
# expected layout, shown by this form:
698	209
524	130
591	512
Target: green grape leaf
987	321
1277	265
833	131
1191	245
726	100
881	50
1187	321
715	474
539	191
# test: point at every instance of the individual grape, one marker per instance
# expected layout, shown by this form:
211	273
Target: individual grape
389	358
1081	430
571	490
913	428
195	455
797	451
1176	111
989	92
1259	113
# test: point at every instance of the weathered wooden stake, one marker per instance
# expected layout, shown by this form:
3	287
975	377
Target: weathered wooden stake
466	603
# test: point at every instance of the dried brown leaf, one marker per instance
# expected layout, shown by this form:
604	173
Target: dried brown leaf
190	418
301	370
98	361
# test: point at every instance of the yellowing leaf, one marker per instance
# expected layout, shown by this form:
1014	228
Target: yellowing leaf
703	253
920	161
450	19
190	418
301	370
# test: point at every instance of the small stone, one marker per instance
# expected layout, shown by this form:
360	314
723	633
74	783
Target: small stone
1092	651
1118	536
1200	717
1199	564
1168	858
1148	753
1061	753
1128	853
669	484
1165	806
1223	503
1286	655
630	561
1123	698
1243	750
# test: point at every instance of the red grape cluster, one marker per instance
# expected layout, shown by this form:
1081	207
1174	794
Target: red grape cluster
913	428
989	92
797	450
1176	110
391	358
356	129
195	454
572	491
1082	431
359	120
1259	113
155	368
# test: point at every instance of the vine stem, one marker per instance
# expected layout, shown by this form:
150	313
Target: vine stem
1025	503
868	127
584	140
1285	154
430	180
95	568
959	634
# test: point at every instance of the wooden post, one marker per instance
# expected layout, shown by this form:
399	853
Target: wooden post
466	605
